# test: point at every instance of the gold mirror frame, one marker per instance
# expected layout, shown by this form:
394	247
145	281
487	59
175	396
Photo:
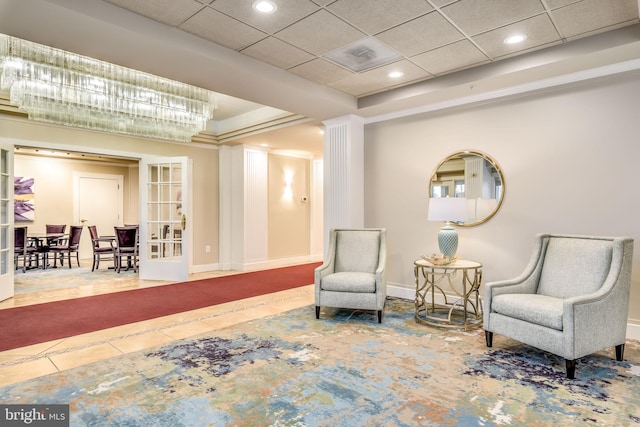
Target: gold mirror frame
464	168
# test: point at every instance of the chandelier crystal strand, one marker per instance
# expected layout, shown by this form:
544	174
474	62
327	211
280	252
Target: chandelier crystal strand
60	87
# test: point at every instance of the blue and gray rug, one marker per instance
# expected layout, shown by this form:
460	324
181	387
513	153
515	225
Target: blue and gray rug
343	370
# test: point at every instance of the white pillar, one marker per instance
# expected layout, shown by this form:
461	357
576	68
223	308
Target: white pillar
317	209
243	208
343	174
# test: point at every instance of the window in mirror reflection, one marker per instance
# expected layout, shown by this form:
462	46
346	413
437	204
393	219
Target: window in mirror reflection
439	190
459	189
474	177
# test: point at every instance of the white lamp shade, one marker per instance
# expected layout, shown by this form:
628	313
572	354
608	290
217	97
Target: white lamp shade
453	209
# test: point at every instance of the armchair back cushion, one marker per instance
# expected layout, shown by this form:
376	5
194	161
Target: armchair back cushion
574	267
357	251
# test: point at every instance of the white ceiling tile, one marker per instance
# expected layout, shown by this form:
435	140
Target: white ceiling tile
321	71
411	73
323	2
354	85
276	52
477	16
421	34
289	11
440	3
554	4
374	16
320	33
539	30
221	29
377	80
171	12
583	17
459	55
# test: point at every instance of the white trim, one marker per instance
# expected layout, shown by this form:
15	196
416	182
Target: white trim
204	268
264	264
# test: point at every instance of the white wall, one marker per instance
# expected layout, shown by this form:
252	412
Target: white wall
570	162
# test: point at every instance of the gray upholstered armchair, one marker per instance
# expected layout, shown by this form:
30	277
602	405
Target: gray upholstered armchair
353	274
572	299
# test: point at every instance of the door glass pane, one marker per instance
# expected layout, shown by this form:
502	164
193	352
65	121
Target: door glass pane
164	210
6	214
5	211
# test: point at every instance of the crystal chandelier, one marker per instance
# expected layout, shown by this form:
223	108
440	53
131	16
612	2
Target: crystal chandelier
60	87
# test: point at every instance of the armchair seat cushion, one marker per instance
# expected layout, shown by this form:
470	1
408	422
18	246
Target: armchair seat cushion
533	308
349	281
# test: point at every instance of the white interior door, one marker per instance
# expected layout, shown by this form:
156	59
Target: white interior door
165	207
6	221
99	200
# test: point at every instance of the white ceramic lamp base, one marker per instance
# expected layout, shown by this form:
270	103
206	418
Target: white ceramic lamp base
448	240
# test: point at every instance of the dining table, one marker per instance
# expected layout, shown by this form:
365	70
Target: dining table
42	242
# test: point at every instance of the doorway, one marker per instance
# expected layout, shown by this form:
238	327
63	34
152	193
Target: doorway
71	186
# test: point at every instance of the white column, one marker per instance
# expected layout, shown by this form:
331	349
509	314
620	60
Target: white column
243	208
317	209
256	210
343	174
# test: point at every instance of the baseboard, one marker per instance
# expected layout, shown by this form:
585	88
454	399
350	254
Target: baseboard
633	331
257	265
409	293
400	291
204	268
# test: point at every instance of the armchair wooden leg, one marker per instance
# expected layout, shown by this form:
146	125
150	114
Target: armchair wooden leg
571	368
317	311
379	316
488	337
620	352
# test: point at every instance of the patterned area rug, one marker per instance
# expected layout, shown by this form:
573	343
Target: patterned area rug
343	370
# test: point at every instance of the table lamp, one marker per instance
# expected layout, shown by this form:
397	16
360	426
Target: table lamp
448	209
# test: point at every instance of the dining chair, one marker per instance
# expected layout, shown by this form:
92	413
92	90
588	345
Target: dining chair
100	248
21	248
126	246
69	246
55	241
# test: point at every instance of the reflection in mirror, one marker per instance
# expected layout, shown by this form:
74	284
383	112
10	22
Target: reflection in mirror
474	176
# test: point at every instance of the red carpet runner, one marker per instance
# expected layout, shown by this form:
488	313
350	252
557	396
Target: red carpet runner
22	326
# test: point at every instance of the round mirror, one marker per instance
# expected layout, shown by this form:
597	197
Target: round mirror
473	176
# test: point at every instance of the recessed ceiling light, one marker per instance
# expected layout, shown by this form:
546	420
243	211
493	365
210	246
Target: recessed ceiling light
264	6
515	39
395	74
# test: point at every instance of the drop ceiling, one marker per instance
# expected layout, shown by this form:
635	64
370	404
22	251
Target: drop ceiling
431	37
282	60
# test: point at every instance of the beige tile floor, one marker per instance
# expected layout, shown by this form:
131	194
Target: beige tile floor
54	356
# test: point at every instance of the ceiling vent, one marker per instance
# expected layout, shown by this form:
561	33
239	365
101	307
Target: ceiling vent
363	55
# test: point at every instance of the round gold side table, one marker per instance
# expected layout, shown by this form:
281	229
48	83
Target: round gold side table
462	310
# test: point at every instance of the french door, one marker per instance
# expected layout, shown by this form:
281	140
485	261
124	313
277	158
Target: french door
6	221
165	208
